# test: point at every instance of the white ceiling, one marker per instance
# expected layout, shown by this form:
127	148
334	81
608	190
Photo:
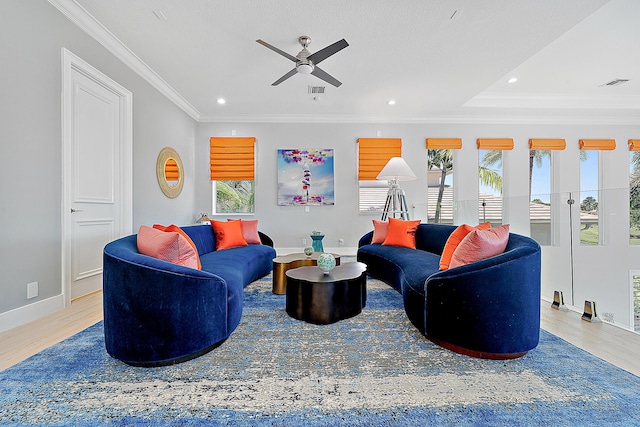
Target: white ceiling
439	59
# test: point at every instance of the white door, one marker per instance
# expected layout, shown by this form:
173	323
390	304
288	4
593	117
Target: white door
96	172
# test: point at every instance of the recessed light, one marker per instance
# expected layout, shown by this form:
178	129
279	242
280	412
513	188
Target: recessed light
512	80
221	101
391	102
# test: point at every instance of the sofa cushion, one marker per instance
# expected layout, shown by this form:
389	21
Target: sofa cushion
480	244
174	228
228	234
402	233
380	231
454	240
167	246
249	230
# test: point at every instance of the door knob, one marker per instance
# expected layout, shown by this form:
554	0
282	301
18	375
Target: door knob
75	210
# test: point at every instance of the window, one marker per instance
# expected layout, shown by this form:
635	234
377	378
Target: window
634	197
490	190
490	178
373	155
589	207
440	186
540	213
233	196
232	175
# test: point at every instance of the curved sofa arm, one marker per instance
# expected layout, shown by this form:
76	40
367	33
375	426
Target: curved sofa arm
157	313
266	240
366	239
489	308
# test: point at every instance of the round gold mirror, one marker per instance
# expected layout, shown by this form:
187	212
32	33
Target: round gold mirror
170	172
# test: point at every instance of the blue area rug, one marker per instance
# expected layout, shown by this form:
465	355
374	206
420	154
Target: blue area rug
374	369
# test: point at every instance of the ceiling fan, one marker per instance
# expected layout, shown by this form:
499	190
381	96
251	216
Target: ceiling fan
307	62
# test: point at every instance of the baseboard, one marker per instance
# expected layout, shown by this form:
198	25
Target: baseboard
31	312
340	250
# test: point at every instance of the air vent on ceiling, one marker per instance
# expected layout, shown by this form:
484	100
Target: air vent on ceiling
315	90
615	82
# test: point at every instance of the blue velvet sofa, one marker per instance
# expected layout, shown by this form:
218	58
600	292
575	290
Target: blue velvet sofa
158	313
488	308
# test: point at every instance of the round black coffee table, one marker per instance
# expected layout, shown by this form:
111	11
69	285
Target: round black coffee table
321	298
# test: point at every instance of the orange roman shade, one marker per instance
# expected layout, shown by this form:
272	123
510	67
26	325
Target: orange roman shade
495	143
373	155
444	143
547	144
634	144
597	144
232	158
171	170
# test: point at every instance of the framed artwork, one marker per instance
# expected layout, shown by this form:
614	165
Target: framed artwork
305	177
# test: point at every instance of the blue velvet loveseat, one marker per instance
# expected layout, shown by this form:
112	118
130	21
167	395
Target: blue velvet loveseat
489	308
158	313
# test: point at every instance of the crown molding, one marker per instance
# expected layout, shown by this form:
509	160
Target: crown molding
83	19
553	101
443	119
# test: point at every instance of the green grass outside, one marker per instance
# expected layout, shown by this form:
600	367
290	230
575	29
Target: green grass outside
589	236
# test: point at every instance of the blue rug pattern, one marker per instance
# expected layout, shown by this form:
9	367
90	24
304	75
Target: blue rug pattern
371	370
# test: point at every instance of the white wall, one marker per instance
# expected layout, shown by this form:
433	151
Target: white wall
32	33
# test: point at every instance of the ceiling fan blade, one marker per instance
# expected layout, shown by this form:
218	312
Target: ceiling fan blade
323	54
321	74
275	49
285	77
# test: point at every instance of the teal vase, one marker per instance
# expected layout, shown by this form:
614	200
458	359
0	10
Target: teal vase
317	242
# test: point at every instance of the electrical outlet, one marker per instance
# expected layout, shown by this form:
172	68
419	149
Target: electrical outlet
608	317
304	242
32	290
341	242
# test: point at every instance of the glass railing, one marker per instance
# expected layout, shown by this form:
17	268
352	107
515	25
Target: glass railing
590	243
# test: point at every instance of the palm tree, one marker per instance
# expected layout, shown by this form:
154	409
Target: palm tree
535	158
491	177
634	182
443	160
234	196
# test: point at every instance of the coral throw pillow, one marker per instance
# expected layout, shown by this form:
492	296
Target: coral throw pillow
402	233
481	244
167	246
454	240
380	230
249	230
175	229
228	234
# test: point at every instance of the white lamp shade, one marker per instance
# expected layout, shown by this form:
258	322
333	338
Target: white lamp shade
396	169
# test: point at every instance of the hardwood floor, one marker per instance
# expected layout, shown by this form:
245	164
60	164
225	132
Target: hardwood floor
615	345
19	343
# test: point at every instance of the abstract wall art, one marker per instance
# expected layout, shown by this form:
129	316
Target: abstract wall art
305	177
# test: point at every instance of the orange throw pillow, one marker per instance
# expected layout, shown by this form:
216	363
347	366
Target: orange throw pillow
249	230
380	231
228	234
167	246
481	244
175	229
454	240
402	233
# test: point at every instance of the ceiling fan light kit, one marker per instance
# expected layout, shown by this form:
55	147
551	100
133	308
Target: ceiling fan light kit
306	62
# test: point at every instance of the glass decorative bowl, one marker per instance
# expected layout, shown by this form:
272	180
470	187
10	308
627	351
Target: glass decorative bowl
326	262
